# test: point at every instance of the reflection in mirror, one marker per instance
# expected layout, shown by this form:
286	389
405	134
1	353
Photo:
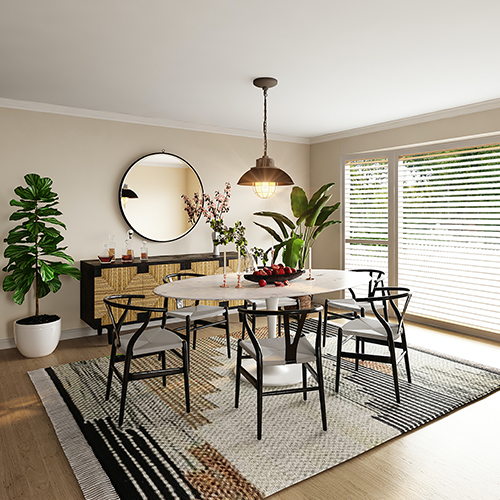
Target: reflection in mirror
158	180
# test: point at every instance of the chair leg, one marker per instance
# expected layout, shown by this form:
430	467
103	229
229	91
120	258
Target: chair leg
339	360
260	391
195	333
163	367
394	365
304	381
126	371
110	371
407	359
188	336
185	370
228	335
325	319
238	376
321	385
254	307
356	363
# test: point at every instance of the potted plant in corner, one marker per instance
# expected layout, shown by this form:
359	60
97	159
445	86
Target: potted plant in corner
36	259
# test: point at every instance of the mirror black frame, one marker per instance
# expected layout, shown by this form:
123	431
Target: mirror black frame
120	196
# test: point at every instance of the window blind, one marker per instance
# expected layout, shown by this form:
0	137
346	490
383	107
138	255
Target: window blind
449	234
366	214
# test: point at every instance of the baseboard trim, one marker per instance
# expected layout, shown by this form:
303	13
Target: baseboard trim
74	333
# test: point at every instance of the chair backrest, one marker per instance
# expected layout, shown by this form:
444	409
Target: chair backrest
122	305
170	278
376	281
291	337
391	296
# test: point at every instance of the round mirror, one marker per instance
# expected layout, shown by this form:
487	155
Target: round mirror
150	196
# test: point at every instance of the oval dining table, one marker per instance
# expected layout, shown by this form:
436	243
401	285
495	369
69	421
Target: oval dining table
209	288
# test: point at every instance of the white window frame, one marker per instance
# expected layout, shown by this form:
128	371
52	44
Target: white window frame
392	156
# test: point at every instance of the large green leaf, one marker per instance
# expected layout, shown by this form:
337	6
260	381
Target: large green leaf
25	193
319	193
283	228
326	212
23	285
9	283
271	231
20	214
323	226
43	289
46	271
52	220
277	216
311	219
61	254
303	217
298	201
54	284
16	235
16	251
25	204
48	211
291	253
67	269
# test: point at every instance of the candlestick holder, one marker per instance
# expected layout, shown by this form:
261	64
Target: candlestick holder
224	284
238	285
310	276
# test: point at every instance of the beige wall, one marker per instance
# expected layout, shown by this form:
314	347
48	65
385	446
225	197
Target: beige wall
86	158
326	167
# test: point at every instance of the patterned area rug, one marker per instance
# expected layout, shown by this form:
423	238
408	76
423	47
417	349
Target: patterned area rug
212	453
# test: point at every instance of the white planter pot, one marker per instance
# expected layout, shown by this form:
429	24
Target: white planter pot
35	341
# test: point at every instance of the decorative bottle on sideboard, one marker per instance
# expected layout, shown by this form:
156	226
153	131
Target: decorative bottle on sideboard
144	252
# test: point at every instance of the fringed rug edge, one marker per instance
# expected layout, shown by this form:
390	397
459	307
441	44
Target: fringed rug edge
93	481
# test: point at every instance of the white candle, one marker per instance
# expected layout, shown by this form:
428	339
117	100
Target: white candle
224	260
310	258
239	262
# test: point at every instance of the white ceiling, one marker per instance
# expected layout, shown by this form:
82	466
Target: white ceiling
340	64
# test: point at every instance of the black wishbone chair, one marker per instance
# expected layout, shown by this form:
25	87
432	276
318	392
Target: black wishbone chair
197	317
292	348
261	304
139	343
354	307
380	331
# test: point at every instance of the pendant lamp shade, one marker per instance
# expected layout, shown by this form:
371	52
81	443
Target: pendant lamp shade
265	177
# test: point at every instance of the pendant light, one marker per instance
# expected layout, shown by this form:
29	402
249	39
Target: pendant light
127	194
265	177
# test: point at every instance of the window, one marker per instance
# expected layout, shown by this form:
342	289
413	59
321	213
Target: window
366	214
445	245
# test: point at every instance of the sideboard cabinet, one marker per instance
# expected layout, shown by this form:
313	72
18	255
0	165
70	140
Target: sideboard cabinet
100	280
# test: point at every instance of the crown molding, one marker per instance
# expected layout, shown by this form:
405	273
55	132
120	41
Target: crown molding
413	120
140	120
158	122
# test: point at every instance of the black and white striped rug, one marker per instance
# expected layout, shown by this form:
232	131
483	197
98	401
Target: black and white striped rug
161	452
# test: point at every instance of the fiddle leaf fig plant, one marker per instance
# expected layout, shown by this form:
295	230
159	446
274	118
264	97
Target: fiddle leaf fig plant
35	257
312	218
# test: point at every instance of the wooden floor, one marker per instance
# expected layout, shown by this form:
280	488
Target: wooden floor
455	458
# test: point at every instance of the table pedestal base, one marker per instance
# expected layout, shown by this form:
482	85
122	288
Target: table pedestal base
282	375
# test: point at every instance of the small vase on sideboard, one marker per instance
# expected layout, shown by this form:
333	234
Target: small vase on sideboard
216	252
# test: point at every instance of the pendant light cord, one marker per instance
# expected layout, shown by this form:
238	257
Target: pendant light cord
265	121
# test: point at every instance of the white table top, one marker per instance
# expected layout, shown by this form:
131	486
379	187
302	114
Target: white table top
208	287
